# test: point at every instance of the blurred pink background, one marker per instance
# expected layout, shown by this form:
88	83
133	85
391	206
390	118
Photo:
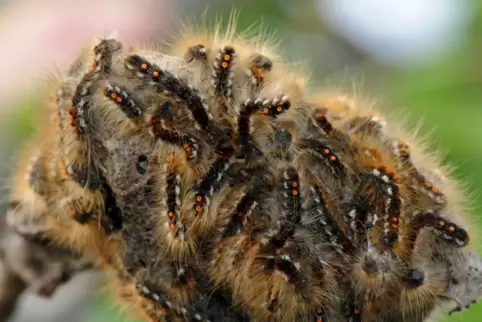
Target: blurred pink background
37	36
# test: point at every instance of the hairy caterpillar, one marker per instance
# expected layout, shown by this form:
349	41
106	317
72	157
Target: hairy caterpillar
211	187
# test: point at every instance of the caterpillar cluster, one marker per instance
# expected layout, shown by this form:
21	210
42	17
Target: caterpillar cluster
210	186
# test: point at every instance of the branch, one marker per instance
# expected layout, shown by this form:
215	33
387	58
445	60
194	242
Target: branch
30	263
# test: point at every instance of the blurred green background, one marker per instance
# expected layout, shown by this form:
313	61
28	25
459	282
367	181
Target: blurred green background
445	92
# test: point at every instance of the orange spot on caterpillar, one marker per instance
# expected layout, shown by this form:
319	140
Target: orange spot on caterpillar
144	66
187	148
63	173
224	65
62	170
257	74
